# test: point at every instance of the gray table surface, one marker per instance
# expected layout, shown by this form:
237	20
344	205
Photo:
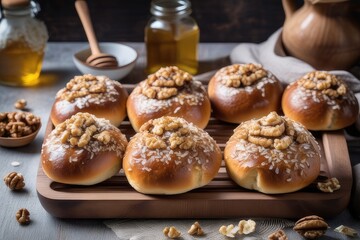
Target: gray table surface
58	68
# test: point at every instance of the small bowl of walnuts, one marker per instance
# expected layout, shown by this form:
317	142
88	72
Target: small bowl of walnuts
18	128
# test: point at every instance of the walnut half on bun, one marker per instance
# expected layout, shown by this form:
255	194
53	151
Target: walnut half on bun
83	150
170	156
273	155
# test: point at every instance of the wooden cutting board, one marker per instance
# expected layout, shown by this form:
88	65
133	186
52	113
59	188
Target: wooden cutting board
221	198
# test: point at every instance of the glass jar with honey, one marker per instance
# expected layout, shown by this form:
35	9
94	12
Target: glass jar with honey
22	43
172	36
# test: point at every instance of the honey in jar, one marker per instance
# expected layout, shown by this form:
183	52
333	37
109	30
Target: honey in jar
172	36
22	42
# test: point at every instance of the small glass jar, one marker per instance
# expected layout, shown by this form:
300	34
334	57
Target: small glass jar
172	36
22	44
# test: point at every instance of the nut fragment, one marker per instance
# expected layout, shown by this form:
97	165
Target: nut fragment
330	185
81	86
168	131
241	75
311	226
196	229
346	230
325	83
171	232
23	216
229	230
278	235
20	104
246	226
14	180
165	83
80	129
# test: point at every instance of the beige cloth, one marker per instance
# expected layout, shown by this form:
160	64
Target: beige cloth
271	55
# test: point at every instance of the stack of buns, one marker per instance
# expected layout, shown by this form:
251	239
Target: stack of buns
169	92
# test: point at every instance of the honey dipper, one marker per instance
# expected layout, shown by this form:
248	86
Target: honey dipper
97	58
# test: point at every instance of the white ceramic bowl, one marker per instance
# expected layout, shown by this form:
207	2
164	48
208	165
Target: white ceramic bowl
126	57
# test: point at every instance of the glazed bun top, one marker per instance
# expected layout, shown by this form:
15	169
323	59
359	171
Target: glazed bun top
98	95
320	101
169	92
240	92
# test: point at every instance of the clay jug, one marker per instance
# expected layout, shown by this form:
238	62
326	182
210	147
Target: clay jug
323	33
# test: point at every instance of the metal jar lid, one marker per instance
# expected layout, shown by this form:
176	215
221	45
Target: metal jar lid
167	8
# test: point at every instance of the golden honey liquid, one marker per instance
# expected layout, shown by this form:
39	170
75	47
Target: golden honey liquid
172	48
20	65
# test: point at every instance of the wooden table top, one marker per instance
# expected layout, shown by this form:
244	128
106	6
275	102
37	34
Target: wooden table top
58	69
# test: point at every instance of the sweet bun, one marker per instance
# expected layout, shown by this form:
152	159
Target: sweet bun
169	92
98	95
240	92
320	101
169	156
83	150
272	155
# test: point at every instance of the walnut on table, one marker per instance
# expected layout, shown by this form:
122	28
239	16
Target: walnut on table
15	181
346	230
246	226
229	231
196	229
278	235
171	232
23	216
311	227
20	104
330	185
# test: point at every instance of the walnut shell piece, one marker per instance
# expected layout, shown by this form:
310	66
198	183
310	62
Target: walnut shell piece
229	231
346	231
196	229
311	227
20	104
278	235
15	181
246	226
171	232
23	216
330	185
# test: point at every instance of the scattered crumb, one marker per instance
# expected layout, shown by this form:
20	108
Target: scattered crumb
15	164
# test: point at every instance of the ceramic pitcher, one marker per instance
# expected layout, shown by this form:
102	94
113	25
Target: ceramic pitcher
323	33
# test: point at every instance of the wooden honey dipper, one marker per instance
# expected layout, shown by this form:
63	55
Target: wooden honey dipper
97	58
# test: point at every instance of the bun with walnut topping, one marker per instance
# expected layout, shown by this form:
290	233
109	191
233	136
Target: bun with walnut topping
272	155
169	156
169	92
83	150
320	101
98	95
240	92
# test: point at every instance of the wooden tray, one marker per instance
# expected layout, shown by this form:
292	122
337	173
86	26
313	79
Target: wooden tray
221	198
